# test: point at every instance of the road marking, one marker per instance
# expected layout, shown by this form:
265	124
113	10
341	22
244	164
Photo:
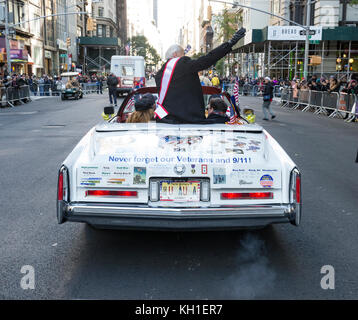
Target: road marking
17	113
54	126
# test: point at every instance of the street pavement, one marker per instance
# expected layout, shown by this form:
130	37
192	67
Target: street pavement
74	261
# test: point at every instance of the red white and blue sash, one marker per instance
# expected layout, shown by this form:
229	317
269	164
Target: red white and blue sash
160	111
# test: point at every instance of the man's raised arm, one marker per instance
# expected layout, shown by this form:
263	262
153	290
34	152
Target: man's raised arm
216	54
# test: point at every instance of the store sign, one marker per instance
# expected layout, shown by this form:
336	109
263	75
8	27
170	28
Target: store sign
48	54
61	45
293	33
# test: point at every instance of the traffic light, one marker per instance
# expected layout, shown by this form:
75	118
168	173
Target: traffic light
68	42
91	24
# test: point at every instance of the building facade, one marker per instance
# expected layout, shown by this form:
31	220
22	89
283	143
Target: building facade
142	20
54	36
332	51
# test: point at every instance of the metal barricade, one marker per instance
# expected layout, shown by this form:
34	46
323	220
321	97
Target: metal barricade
246	89
3	97
344	106
330	102
286	97
17	94
315	102
302	99
277	91
229	88
352	107
88	88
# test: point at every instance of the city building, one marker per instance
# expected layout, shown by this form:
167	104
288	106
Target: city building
278	48
54	36
100	37
144	22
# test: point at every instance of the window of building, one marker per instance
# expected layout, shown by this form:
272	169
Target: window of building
100	11
99	30
79	31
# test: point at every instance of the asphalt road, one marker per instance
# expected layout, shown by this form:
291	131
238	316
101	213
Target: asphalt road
73	261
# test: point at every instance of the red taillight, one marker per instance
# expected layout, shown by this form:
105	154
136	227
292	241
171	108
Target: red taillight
110	193
247	195
298	189
60	187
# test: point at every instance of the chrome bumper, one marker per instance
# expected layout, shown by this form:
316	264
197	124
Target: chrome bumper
143	217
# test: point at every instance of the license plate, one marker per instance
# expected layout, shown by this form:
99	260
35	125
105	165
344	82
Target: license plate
179	191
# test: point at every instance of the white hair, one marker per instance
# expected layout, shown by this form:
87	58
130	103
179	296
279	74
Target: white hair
175	48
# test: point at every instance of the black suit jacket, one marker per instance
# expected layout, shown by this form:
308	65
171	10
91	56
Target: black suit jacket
184	100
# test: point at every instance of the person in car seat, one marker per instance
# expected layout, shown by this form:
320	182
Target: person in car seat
217	111
144	110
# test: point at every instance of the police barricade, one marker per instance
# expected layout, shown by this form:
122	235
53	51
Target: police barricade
330	102
229	88
24	94
315	102
246	89
344	106
88	88
17	94
3	97
286	97
277	91
303	99
43	90
352	106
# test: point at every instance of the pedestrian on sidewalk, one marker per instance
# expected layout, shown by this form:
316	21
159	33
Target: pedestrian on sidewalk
267	97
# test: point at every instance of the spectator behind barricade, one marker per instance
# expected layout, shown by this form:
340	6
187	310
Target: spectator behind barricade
99	84
334	85
215	81
294	86
351	87
144	110
314	84
204	80
217	111
324	84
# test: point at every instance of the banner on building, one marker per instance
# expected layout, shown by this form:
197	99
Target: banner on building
293	33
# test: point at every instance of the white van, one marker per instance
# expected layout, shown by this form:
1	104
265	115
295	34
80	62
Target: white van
130	71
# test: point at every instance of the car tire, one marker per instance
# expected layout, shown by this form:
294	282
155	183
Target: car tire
63	97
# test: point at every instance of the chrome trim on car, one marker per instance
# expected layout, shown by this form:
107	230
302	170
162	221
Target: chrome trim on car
86	209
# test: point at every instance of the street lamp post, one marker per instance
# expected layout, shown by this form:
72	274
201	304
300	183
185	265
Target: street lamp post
307	43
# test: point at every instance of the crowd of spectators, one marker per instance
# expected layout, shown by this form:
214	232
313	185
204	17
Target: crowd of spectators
45	85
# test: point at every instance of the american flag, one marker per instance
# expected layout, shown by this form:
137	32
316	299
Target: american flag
128	47
232	115
131	104
236	93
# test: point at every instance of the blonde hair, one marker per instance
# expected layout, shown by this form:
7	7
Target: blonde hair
141	116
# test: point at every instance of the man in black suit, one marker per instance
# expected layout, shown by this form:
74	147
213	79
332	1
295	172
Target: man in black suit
217	111
184	100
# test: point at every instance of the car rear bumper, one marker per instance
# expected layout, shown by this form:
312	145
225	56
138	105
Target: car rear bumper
143	217
124	90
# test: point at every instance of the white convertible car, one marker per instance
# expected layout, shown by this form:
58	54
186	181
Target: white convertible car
178	177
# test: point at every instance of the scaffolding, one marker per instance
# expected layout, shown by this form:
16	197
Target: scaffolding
285	59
